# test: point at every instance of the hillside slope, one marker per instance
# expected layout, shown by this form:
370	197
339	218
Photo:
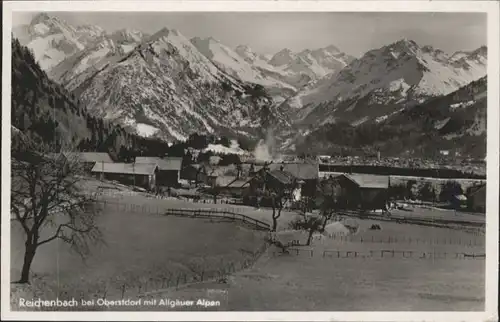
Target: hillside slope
385	81
455	122
242	67
52	40
44	111
168	86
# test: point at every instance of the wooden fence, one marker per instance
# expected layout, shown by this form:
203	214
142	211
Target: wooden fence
382	253
432	222
217	214
186	212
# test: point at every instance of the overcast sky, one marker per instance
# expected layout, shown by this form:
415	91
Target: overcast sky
267	33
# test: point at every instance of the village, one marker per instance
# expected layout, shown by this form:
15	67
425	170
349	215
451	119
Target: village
245	183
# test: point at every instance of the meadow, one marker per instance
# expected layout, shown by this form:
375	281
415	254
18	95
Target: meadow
144	248
139	247
303	281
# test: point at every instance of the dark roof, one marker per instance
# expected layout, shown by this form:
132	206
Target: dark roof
303	171
89	156
167	163
282	176
369	180
125	168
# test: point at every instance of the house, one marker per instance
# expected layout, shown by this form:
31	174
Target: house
307	175
279	179
265	180
232	186
363	191
213	172
169	169
476	198
137	174
88	159
194	172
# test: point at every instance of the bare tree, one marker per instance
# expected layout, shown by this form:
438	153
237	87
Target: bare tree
310	223
49	202
278	198
328	197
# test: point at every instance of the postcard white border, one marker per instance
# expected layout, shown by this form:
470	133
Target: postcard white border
492	228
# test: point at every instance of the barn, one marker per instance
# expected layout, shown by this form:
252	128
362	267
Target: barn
169	169
194	172
232	186
142	175
307	175
363	191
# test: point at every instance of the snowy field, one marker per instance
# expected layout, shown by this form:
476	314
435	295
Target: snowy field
139	246
304	282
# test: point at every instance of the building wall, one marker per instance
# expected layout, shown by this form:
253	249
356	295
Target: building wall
168	178
143	181
373	198
354	197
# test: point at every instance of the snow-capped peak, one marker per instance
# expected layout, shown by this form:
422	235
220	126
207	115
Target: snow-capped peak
283	57
92	30
127	36
43	25
396	75
331	49
40	18
246	52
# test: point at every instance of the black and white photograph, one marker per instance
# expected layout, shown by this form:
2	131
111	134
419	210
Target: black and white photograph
214	160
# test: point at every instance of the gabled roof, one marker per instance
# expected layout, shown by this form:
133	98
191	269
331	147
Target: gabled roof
88	156
125	168
369	180
167	163
282	176
303	171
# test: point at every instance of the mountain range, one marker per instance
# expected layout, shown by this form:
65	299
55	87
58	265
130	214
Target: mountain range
168	86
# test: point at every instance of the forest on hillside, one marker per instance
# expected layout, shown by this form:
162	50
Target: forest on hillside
46	112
